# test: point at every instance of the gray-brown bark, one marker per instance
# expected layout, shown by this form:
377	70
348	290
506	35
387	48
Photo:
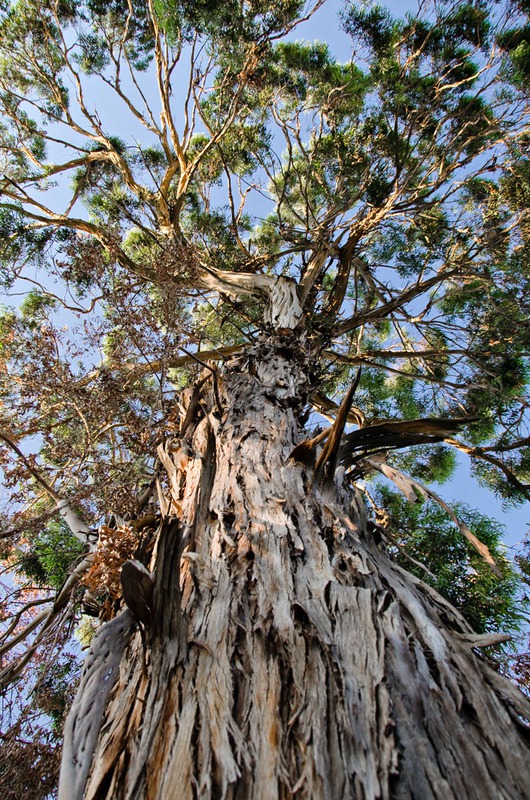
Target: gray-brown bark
288	657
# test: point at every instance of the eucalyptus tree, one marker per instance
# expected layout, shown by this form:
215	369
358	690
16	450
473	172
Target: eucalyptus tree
226	235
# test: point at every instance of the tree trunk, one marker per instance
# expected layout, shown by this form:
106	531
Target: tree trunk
288	656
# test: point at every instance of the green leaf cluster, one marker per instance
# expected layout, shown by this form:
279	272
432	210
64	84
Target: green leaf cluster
47	556
423	532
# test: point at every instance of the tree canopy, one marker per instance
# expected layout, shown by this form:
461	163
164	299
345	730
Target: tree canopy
179	178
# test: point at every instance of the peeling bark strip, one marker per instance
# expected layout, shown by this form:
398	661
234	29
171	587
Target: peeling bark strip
283	309
84	720
289	657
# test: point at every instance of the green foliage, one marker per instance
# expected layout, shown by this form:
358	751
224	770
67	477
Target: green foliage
423	532
18	242
47	555
515	41
428	464
229	22
35	307
30	57
374	27
126	21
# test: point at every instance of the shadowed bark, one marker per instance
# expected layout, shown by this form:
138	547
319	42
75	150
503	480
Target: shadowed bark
288	656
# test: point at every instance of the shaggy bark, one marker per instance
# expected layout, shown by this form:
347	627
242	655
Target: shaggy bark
288	657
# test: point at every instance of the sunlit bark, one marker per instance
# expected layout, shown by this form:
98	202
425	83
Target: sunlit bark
288	657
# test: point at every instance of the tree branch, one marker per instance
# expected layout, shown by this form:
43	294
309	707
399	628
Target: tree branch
79	529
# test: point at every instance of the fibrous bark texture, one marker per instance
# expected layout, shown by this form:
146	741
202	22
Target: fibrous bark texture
288	657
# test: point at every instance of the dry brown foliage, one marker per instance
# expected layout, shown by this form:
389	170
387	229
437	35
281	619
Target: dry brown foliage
115	546
28	769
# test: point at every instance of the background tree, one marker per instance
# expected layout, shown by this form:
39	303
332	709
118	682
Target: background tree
220	229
